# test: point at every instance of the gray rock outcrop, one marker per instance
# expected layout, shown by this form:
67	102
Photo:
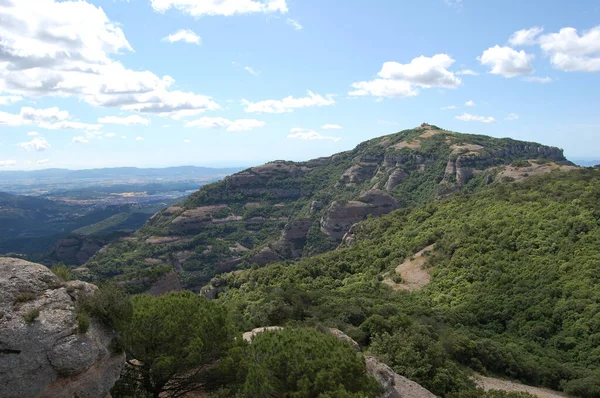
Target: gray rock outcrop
42	354
341	216
76	250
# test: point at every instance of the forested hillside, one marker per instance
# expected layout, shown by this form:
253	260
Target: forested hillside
514	275
287	210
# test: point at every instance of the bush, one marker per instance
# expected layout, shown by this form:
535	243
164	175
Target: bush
175	338
588	387
31	315
62	272
305	363
109	304
23	297
83	322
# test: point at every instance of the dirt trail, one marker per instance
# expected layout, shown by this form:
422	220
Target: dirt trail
491	383
414	277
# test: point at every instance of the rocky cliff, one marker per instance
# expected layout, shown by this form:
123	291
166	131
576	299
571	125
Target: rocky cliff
285	210
43	352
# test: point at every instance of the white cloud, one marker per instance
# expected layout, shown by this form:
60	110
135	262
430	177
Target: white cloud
9	99
538	79
251	71
303	134
448	108
222	123
184	35
80	140
525	37
126	121
401	80
288	104
465	117
511	116
507	62
65	48
197	8
248	69
294	24
7	163
423	71
186	141
139	138
467	72
332	127
123	137
110	135
67	124
571	52
33	134
470	103
49	118
43	161
174	104
38	144
383	88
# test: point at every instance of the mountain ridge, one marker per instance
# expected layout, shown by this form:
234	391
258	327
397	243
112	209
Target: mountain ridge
285	210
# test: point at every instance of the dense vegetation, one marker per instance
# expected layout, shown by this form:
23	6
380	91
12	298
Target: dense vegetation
181	342
514	287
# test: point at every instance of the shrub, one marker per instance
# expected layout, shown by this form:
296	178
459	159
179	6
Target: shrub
109	304
305	363
31	315
23	297
62	272
83	322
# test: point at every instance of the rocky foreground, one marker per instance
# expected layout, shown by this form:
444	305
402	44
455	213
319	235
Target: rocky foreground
43	351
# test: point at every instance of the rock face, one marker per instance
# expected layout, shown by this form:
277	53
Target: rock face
44	355
394	385
76	250
340	217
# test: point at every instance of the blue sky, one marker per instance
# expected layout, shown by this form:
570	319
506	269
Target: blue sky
239	82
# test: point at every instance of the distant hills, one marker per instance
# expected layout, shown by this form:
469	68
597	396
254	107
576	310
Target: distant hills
181	172
586	163
41	208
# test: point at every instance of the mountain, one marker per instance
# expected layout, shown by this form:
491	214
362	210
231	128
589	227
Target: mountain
286	210
502	282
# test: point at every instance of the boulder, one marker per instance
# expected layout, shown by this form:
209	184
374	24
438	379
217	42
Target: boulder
44	355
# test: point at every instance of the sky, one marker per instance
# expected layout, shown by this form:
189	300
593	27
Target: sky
156	83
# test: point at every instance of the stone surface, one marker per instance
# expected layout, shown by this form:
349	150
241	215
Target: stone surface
47	357
341	216
76	250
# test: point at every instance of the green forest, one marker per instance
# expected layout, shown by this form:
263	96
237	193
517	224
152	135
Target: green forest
513	293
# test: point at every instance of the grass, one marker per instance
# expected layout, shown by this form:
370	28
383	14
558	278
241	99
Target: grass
31	315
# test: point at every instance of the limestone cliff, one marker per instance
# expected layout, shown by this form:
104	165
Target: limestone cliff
42	353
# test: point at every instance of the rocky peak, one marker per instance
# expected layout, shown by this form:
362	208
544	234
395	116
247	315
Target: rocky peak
42	352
